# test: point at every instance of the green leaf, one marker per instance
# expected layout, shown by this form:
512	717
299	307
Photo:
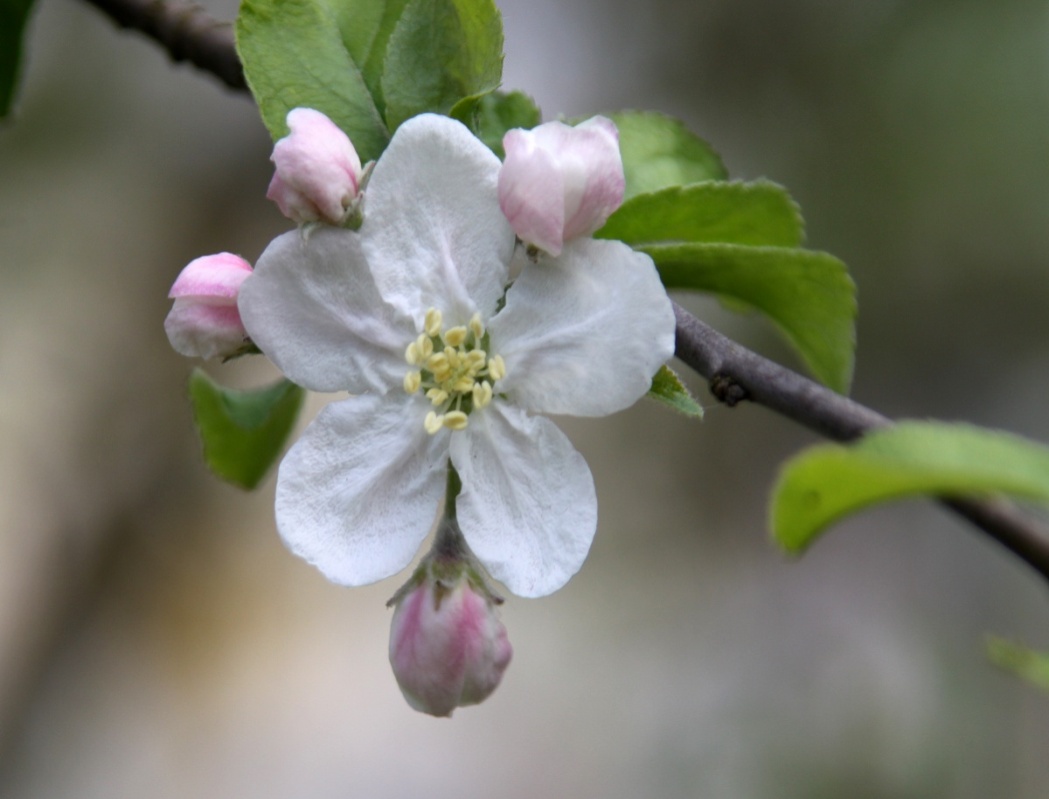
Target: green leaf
1023	662
13	17
294	55
243	431
668	389
365	27
659	151
808	294
440	52
827	482
492	115
759	214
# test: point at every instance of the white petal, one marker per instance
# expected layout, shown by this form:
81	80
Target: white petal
584	333
359	491
527	508
313	308
433	231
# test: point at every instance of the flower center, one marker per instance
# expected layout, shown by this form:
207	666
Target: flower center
453	369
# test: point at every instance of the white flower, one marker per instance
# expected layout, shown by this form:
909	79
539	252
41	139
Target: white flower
408	315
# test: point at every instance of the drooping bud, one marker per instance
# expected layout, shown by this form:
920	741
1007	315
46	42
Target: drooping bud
448	647
318	171
204	321
560	182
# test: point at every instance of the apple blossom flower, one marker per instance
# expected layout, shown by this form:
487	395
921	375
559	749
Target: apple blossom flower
448	647
318	171
204	321
412	317
560	182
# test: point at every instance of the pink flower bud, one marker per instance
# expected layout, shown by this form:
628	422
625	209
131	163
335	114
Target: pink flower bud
448	648
318	172
204	321
560	182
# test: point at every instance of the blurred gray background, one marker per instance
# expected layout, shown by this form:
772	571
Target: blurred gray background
157	640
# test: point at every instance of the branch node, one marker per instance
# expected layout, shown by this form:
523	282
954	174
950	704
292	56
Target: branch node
727	390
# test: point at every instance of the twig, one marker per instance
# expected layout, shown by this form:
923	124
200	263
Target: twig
185	30
736	374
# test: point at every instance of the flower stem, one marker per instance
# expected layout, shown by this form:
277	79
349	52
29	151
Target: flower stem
449	543
455	485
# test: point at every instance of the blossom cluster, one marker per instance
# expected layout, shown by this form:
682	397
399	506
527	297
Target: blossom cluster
454	298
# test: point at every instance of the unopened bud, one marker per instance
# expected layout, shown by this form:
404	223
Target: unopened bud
318	171
448	647
204	321
560	182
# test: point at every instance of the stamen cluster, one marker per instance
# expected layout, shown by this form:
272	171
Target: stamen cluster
455	371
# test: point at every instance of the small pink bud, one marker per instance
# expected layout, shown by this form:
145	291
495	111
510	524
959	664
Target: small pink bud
204	321
448	648
560	182
318	171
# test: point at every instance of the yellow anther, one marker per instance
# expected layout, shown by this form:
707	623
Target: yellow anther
411	354
496	368
432	322
455	420
482	394
463	385
452	370
438	362
437	396
425	346
433	422
455	336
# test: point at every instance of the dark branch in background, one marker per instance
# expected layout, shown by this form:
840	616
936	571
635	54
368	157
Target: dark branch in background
735	373
187	32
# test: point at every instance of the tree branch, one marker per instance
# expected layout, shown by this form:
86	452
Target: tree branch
735	373
185	30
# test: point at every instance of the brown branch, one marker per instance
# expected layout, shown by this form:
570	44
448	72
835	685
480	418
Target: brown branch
185	30
735	373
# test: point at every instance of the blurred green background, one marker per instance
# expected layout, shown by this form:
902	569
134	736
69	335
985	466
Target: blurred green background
157	640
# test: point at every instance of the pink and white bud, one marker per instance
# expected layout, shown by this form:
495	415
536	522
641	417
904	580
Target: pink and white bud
204	321
448	648
560	182
318	171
